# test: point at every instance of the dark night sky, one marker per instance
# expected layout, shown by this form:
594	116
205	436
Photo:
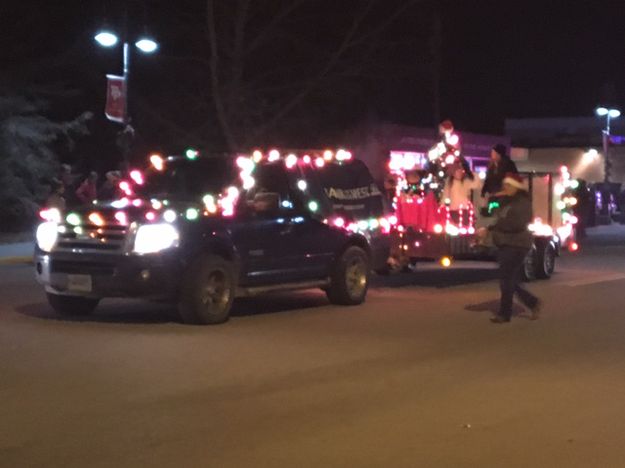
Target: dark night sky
501	58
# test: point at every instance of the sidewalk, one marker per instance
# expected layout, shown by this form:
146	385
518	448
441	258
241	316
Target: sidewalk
16	253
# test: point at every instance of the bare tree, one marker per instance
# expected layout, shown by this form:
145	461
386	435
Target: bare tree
248	98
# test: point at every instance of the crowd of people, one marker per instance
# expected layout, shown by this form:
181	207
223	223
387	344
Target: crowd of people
69	188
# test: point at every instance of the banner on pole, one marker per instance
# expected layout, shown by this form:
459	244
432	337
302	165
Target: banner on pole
116	98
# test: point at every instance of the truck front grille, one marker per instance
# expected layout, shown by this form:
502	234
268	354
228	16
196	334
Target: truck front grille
84	268
90	238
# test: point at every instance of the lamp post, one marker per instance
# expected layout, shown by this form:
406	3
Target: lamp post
608	114
146	45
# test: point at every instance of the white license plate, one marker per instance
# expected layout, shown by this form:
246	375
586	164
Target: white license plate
79	283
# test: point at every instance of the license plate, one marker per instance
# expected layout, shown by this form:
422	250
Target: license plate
79	283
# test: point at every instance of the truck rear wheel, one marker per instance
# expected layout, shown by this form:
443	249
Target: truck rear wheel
350	279
208	291
72	305
545	260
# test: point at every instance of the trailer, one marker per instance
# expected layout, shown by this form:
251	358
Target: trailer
426	231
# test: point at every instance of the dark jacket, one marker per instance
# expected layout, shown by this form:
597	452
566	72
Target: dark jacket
495	175
513	218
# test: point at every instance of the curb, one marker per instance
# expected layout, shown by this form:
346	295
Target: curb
16	261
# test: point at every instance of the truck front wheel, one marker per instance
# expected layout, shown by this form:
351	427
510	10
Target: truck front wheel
350	279
72	305
207	292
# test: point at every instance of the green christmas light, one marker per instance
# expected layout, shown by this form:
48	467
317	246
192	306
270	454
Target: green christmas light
313	206
192	214
191	153
73	219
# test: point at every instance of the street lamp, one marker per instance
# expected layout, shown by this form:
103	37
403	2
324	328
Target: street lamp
608	114
146	45
106	38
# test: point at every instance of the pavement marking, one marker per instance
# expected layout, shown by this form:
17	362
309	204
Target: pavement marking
595	279
16	260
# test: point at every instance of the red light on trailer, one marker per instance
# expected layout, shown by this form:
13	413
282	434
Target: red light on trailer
319	162
307	159
453	139
150	216
574	247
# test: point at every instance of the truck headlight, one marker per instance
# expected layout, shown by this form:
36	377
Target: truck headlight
153	238
47	234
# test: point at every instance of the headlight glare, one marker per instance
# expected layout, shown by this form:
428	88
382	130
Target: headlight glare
47	234
153	238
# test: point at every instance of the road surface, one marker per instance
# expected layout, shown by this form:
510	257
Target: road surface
417	377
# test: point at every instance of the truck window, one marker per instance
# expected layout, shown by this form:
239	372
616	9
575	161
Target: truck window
270	178
189	180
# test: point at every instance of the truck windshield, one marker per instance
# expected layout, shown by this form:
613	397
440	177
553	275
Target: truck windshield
188	180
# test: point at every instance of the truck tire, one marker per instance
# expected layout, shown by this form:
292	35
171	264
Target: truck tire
545	260
207	292
349	281
528	273
72	305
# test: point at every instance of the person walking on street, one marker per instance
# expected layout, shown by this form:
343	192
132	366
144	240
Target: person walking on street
513	239
87	192
500	165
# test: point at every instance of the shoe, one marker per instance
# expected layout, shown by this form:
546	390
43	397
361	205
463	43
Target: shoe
535	311
499	319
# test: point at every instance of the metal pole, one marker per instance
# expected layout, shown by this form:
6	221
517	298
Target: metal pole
606	149
126	74
126	134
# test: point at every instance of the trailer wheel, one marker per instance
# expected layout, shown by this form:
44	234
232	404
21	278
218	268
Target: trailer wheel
529	266
545	260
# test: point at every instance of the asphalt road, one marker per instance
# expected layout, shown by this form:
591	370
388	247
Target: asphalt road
417	377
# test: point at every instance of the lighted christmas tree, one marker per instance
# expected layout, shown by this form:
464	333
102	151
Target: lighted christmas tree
442	155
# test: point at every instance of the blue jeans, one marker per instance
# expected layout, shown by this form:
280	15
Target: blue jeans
511	261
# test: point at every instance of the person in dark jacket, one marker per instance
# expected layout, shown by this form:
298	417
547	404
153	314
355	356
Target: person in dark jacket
513	239
110	188
500	165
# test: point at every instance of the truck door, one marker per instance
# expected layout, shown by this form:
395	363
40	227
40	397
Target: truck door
266	238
